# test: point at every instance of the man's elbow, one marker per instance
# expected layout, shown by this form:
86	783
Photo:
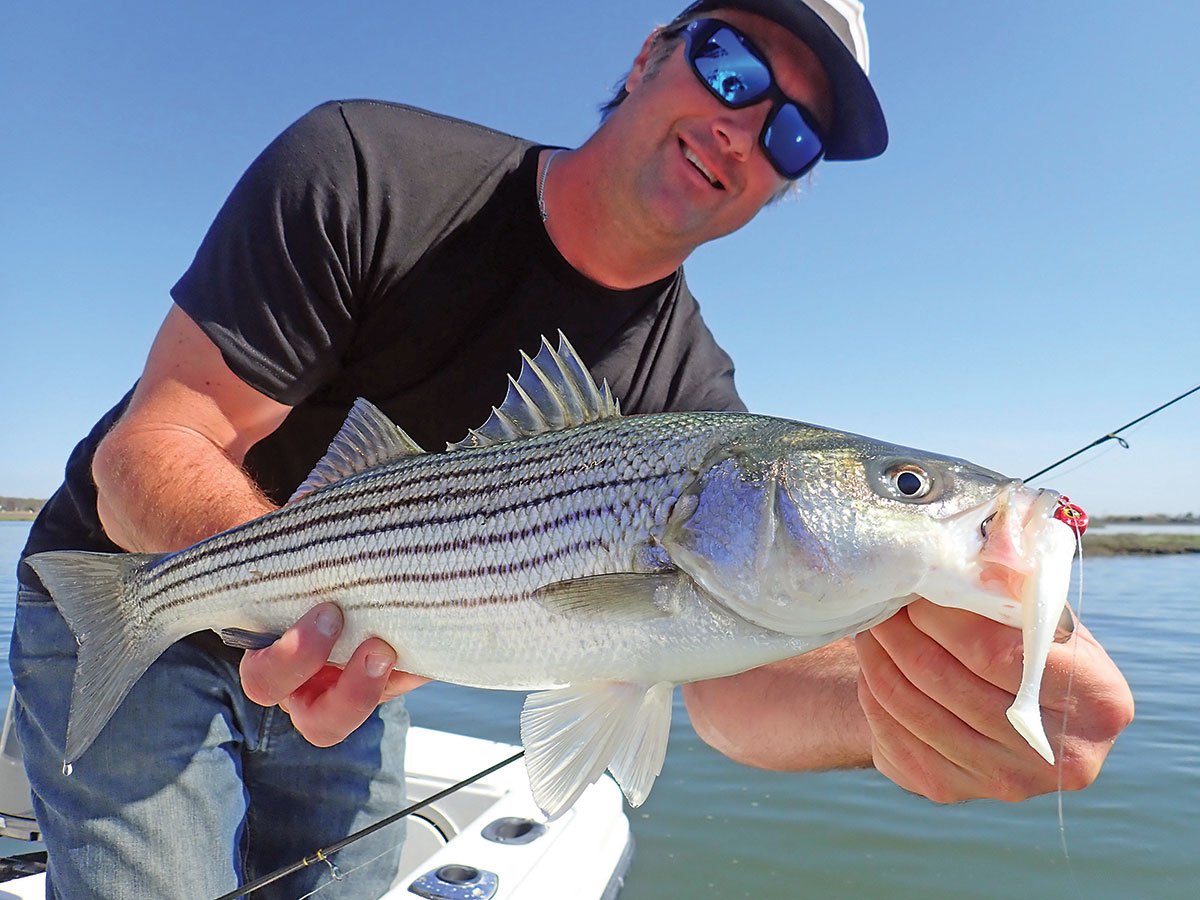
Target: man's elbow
107	465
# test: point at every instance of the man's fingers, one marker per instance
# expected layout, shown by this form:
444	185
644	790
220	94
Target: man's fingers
922	717
328	708
908	762
325	702
934	684
273	673
933	673
992	651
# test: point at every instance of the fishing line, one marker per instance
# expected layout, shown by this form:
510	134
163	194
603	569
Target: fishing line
338	875
322	855
1062	744
1112	435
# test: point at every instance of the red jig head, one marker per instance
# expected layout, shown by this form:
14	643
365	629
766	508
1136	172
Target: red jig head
1071	515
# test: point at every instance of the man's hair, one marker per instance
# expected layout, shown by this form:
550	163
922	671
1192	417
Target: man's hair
665	41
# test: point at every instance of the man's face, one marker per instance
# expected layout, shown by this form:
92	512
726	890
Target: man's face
700	171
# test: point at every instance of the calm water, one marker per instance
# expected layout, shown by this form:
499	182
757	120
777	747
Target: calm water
713	829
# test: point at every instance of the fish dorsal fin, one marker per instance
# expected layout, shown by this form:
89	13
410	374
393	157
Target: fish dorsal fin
554	391
367	439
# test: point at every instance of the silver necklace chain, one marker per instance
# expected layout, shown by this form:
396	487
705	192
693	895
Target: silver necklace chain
541	191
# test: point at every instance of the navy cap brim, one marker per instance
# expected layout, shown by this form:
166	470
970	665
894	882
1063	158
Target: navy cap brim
859	129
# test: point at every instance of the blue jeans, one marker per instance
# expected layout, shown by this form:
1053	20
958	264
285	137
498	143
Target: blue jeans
191	789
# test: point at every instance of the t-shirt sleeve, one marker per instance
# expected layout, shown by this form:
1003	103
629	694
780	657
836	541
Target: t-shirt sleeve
274	283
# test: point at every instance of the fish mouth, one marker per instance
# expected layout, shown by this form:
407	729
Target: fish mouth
1019	575
1011	533
993	552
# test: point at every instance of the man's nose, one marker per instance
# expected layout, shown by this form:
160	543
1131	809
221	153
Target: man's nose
737	130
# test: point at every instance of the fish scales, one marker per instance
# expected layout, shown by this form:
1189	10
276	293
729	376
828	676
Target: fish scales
433	544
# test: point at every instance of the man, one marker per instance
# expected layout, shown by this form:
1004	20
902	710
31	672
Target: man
386	252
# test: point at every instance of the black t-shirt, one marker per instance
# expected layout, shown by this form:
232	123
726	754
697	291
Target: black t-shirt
382	251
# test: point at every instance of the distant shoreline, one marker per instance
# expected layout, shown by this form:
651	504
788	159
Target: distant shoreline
1140	544
1151	519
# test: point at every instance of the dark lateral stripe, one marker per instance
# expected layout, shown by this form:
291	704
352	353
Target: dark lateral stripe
461	603
314	514
389	579
224	559
407	550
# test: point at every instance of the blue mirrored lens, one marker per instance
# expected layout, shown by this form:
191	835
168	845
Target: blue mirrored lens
733	73
790	143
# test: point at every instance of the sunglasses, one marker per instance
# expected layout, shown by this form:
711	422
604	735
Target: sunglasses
737	74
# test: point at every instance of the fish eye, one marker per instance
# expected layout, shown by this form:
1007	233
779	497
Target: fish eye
910	482
910	479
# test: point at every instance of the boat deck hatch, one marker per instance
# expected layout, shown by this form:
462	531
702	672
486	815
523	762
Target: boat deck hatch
513	830
456	882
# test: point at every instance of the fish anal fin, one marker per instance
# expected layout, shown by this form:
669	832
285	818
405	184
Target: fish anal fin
639	758
367	438
622	596
571	735
554	390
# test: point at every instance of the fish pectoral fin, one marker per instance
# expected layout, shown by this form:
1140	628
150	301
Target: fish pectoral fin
571	735
244	639
623	596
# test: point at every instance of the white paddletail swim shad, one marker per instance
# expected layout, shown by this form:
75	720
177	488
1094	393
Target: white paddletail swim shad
595	559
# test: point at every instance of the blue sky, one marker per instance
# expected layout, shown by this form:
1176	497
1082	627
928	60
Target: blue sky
1012	279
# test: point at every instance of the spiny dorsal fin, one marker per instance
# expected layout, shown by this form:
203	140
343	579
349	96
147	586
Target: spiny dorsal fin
367	439
553	391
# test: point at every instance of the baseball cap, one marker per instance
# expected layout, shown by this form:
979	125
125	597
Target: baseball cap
836	31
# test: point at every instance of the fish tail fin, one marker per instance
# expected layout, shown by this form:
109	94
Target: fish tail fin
98	595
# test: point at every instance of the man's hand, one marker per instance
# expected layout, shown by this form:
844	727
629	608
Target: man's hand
325	702
922	697
934	685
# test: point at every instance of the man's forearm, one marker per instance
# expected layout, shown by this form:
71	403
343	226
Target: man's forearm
163	489
818	726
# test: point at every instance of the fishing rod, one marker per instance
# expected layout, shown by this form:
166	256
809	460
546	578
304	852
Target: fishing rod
1112	435
322	855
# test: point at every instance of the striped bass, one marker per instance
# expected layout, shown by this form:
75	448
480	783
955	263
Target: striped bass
594	559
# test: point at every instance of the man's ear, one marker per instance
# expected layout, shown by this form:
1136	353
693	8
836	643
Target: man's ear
637	72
